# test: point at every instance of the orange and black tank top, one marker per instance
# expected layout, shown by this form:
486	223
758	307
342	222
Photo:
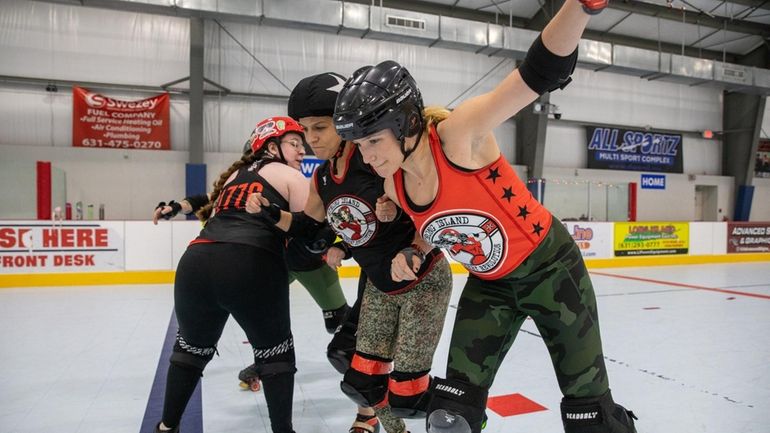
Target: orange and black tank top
485	219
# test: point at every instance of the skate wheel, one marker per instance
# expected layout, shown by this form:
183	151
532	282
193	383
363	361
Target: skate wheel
251	385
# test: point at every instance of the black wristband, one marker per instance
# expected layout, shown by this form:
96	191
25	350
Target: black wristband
271	213
197	201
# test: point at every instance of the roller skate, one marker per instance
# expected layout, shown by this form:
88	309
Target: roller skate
173	430
249	378
334	318
365	424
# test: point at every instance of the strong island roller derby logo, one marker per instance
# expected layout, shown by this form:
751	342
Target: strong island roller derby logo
473	239
352	219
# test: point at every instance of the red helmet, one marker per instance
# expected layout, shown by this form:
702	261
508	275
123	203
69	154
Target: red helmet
272	127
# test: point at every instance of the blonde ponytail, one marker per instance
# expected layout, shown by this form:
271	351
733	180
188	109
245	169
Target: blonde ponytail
433	114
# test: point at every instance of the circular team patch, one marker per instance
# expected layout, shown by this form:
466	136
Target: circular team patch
472	239
352	219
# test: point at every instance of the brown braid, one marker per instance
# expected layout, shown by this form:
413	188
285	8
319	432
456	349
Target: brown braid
247	159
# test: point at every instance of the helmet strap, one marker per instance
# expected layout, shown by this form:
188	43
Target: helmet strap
337	155
406	153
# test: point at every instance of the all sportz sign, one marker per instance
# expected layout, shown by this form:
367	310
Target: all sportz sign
626	149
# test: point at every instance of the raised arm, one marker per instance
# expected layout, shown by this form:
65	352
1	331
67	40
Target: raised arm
548	64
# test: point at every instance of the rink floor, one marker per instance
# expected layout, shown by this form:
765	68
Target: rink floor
687	349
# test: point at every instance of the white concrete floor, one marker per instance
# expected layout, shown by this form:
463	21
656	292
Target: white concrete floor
687	352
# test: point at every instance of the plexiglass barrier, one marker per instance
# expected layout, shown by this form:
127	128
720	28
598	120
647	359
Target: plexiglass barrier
573	200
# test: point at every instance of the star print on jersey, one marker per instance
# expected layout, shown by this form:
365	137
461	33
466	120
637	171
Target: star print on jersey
352	219
537	228
494	173
473	239
523	212
508	193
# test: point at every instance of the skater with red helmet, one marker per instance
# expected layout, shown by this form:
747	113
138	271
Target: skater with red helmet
220	275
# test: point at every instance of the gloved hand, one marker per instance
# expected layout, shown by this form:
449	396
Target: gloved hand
166	211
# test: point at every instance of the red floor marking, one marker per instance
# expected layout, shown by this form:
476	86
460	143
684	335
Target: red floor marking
513	404
689	286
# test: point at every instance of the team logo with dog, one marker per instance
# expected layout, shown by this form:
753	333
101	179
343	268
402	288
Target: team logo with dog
471	238
353	219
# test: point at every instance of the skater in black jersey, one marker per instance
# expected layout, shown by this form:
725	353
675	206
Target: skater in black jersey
218	276
306	267
408	284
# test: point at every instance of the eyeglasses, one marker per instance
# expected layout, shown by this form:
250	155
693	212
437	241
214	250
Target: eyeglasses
298	145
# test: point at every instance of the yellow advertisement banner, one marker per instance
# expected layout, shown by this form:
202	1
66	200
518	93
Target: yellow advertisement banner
651	238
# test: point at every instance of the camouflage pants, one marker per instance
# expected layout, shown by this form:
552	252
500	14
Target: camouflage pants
553	287
405	327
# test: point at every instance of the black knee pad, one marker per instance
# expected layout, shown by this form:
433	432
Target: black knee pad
596	415
188	356
455	407
342	347
272	361
366	381
408	394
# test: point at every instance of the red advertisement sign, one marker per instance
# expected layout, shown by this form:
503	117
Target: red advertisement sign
100	121
748	237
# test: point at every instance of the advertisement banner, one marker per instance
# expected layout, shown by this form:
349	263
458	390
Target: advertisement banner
651	238
71	246
309	165
748	237
762	163
625	149
593	239
102	122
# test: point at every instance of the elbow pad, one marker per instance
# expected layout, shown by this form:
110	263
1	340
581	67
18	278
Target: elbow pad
544	71
323	239
303	226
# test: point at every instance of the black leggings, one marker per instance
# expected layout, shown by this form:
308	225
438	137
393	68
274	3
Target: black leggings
213	281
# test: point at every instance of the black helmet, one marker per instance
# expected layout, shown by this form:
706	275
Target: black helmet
376	98
315	95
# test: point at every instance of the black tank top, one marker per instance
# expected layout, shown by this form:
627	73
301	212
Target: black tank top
350	200
230	221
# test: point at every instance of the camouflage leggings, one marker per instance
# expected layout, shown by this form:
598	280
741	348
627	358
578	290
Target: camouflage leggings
405	327
553	287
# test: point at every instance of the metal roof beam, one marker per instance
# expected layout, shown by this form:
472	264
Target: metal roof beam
691	17
534	24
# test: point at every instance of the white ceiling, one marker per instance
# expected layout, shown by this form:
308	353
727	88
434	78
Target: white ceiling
620	22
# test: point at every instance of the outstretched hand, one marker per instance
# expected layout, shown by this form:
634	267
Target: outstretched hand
165	211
